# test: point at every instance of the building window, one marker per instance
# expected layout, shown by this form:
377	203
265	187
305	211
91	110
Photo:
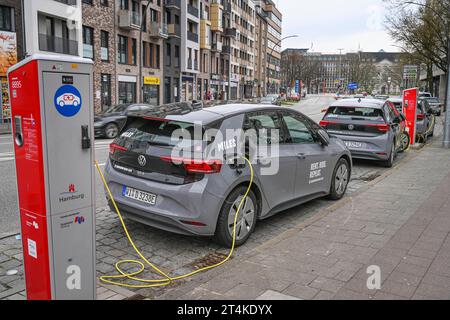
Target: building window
88	42
104	3
7	19
55	36
122	47
88	2
133	51
124	4
168	54
151	94
104	45
127	92
106	90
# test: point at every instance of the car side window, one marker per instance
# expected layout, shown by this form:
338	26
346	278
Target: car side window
387	114
298	129
266	124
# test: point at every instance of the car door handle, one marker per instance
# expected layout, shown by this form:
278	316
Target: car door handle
301	156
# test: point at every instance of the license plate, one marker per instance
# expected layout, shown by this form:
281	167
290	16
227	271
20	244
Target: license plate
139	195
354	145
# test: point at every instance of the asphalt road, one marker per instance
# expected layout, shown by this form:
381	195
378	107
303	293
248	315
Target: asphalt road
9	219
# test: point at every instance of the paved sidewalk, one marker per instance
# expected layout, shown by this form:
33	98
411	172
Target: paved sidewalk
400	224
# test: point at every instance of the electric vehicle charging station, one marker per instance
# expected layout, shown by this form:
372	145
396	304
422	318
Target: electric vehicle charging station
52	112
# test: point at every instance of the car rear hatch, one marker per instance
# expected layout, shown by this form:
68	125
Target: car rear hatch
162	150
355	121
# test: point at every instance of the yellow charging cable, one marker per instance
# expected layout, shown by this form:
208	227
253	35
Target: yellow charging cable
166	280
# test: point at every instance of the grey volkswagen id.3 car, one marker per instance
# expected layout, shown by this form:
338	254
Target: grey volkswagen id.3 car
199	193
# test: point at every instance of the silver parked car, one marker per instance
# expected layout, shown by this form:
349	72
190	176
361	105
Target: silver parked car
425	123
369	128
435	105
199	195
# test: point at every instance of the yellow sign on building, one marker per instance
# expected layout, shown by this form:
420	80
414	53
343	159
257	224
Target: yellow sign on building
152	80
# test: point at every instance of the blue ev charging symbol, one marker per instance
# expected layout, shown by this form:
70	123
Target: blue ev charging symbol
68	101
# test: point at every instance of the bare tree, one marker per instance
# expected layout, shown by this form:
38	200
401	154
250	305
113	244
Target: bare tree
421	27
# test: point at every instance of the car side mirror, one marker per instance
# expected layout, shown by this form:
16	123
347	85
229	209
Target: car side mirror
323	137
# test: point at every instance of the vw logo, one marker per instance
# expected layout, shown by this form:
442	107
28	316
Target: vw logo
142	160
351	127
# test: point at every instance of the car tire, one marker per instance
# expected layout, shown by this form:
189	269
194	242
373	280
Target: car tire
340	180
244	227
390	162
111	131
406	140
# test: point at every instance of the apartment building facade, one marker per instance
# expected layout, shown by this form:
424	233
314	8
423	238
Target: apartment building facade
273	19
99	45
172	52
139	69
11	50
184	50
261	52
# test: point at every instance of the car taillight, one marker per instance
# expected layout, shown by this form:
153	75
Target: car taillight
325	123
420	116
113	147
196	165
382	127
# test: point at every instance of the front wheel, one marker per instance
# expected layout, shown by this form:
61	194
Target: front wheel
246	220
406	140
340	179
111	131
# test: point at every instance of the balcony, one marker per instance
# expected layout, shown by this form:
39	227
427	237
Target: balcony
217	47
230	32
158	30
226	50
163	31
192	10
129	20
68	2
58	45
173	4
192	36
174	30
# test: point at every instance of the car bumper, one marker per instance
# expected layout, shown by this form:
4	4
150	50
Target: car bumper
374	148
99	131
175	205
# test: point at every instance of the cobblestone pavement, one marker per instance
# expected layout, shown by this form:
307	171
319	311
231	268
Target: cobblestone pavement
175	254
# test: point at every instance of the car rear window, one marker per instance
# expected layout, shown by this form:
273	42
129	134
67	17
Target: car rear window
164	133
355	113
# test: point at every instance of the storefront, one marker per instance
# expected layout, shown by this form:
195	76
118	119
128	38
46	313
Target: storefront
214	86
8	57
187	88
127	89
151	90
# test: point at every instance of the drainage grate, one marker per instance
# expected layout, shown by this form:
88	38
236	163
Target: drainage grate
208	260
368	178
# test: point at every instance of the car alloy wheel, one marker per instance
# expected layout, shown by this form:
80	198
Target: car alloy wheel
341	179
111	131
245	218
405	141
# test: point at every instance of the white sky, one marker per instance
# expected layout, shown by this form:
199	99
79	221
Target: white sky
329	25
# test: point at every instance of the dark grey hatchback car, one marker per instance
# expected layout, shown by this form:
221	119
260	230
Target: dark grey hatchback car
198	193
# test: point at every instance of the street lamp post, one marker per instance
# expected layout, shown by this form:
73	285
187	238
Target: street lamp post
271	52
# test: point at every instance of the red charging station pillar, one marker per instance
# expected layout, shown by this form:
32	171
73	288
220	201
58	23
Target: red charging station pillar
52	112
410	97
